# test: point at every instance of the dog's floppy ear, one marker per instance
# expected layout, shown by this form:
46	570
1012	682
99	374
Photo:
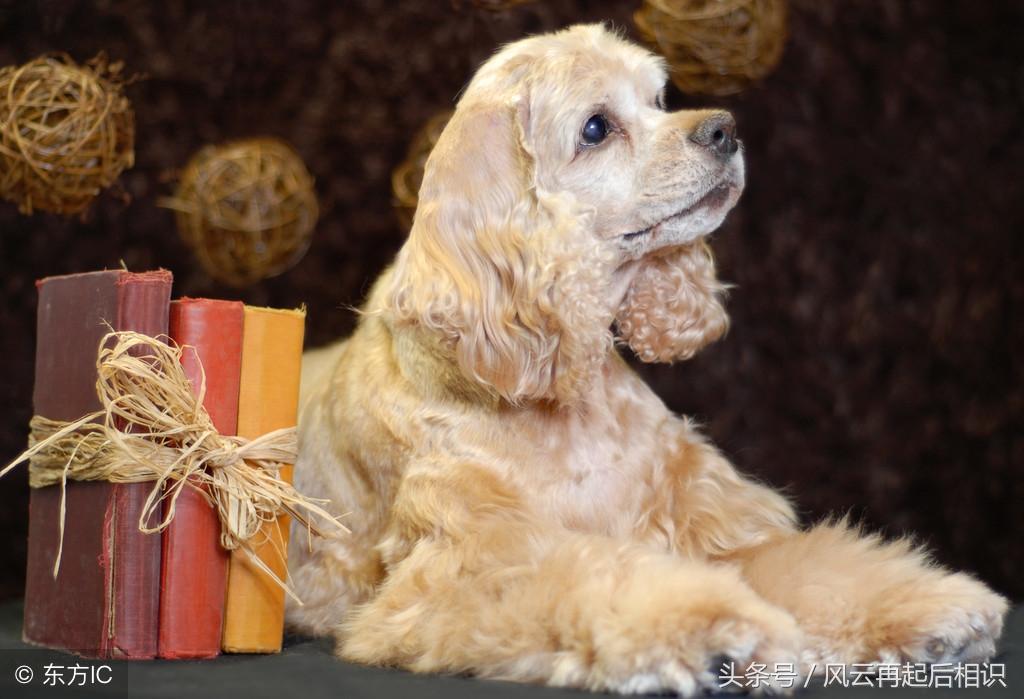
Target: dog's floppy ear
673	307
494	267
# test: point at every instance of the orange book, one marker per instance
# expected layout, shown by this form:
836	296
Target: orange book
268	400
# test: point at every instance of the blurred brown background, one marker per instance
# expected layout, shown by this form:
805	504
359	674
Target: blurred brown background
877	252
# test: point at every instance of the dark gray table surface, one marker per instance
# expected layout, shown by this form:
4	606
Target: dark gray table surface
307	669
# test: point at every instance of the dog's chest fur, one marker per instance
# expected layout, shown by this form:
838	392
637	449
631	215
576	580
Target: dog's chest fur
580	466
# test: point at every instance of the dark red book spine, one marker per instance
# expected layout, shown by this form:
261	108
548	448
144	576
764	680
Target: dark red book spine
195	566
105	601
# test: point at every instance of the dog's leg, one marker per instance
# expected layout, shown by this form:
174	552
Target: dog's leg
331	578
860	599
856	598
700	506
476	585
580	612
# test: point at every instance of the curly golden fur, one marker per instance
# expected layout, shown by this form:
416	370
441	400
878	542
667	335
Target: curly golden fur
523	506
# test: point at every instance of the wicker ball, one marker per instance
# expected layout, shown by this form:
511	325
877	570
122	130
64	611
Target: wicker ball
407	177
247	209
66	132
715	47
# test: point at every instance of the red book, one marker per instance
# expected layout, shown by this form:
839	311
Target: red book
195	567
105	600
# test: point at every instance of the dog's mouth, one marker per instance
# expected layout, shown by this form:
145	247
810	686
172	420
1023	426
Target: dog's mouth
716	197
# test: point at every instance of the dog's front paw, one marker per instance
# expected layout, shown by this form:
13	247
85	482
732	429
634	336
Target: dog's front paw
690	649
953	619
753	653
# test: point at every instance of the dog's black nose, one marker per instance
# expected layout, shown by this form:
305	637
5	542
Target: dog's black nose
717	133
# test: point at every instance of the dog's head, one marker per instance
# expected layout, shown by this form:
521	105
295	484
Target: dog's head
560	200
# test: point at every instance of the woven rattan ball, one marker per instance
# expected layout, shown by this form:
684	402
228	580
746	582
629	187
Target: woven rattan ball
715	47
407	177
247	209
66	132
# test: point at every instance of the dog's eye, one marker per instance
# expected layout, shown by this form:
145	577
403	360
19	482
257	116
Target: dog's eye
595	130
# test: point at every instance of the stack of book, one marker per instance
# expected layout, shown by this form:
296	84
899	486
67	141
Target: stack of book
121	593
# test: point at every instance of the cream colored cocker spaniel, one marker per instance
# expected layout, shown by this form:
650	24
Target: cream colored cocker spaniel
523	506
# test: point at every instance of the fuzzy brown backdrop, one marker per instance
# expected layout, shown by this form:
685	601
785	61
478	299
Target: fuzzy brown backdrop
877	252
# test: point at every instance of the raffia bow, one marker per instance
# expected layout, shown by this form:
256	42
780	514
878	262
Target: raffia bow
152	427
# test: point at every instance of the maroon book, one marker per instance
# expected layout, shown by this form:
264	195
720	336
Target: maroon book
195	566
104	602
